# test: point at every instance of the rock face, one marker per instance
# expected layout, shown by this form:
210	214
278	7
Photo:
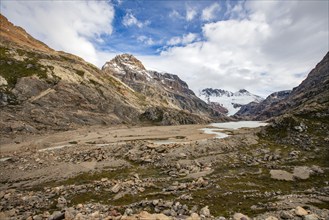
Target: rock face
229	102
42	89
253	109
309	98
161	90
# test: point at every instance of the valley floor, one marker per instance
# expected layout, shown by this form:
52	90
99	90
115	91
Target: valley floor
175	172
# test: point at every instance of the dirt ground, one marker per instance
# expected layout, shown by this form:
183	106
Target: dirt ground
99	134
177	171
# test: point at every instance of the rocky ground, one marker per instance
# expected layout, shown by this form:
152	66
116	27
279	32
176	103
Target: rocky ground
245	173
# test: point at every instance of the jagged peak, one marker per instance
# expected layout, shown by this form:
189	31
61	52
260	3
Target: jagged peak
128	59
243	91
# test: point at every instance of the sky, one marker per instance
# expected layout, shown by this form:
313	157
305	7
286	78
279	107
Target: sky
260	45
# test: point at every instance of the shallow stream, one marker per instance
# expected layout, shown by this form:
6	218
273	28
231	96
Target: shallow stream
219	128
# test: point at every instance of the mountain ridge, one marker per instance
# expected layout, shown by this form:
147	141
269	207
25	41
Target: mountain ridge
164	89
52	90
252	109
231	101
310	97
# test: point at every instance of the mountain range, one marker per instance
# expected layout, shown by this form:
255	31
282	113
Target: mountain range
230	101
256	108
42	89
177	172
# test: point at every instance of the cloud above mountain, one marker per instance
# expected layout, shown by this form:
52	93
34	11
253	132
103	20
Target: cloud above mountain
271	46
71	26
263	46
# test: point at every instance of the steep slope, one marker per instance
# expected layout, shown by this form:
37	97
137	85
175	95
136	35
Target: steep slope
162	90
301	120
310	98
44	90
15	35
41	89
230	101
253	109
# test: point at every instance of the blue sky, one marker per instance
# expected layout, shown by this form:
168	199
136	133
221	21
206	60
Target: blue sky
261	46
154	23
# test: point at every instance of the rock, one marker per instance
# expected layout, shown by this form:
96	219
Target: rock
104	179
69	214
11	212
114	213
2	194
271	218
3	215
281	175
147	216
57	216
80	216
167	212
311	217
302	172
95	215
205	212
240	216
300	211
79	206
294	153
128	212
61	202
37	217
172	188
155	202
167	204
116	188
286	215
194	216
317	169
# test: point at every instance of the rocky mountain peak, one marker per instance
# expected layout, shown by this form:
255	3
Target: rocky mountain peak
14	34
252	109
227	99
243	91
127	67
129	60
161	89
215	92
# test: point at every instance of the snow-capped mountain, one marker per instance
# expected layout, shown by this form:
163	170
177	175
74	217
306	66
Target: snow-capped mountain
232	101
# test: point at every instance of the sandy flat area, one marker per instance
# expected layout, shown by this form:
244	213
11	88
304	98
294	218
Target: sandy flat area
103	135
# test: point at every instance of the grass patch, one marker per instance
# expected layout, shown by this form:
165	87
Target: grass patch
12	69
80	72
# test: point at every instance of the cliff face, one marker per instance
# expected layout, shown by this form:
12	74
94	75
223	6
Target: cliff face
42	89
311	97
254	109
160	89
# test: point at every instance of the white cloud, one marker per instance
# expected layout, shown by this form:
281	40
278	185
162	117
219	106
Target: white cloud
185	39
175	15
63	25
267	50
209	13
263	46
190	13
146	40
130	20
